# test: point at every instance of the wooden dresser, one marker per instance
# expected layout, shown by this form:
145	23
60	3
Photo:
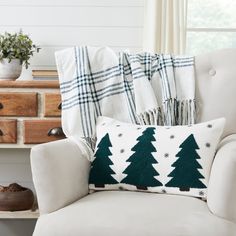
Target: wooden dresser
29	113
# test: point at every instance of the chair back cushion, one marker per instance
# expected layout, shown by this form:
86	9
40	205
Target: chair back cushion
216	87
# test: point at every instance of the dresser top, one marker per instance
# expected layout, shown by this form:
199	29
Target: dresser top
29	84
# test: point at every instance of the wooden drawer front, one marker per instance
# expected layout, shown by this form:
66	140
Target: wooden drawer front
8	133
18	104
37	131
52	104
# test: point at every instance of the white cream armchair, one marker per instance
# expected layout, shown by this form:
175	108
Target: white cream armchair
60	174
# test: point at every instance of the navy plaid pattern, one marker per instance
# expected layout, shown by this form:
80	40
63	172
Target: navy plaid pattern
89	88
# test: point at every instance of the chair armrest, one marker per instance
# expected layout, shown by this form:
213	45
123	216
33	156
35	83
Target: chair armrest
222	185
60	174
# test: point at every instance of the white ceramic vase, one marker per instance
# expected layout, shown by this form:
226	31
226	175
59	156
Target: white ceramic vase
10	70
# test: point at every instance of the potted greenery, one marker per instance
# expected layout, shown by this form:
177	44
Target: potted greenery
15	51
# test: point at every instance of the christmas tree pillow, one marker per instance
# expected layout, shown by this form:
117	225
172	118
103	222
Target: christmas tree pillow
174	160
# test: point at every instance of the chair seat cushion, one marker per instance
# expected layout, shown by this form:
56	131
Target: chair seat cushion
122	213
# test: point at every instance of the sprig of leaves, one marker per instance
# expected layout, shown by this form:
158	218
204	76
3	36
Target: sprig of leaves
17	46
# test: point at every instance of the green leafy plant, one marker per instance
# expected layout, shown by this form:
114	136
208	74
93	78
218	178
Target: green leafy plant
17	46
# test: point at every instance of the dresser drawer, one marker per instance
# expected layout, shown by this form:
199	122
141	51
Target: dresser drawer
8	131
42	131
52	104
18	104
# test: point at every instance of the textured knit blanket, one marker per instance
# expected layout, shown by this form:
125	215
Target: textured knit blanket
143	88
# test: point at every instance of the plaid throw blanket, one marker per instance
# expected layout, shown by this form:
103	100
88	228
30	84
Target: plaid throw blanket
140	88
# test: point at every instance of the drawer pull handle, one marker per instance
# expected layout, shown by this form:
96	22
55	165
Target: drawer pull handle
59	107
57	132
1	105
1	133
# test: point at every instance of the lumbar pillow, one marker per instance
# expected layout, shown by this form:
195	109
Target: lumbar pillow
175	160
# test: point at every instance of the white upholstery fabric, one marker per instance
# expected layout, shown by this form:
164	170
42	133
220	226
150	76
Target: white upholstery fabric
222	185
113	213
216	86
60	174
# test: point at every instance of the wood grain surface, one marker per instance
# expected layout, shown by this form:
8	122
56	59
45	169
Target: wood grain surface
51	104
36	131
18	104
8	131
29	84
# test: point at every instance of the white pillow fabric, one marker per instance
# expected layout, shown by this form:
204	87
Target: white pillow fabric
174	160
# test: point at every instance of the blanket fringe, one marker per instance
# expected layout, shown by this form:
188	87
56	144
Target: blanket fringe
171	113
90	142
186	112
151	117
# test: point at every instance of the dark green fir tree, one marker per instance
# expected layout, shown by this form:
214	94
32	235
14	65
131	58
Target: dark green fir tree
185	174
140	171
100	173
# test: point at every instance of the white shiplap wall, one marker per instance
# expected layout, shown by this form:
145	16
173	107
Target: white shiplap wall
55	25
15	167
